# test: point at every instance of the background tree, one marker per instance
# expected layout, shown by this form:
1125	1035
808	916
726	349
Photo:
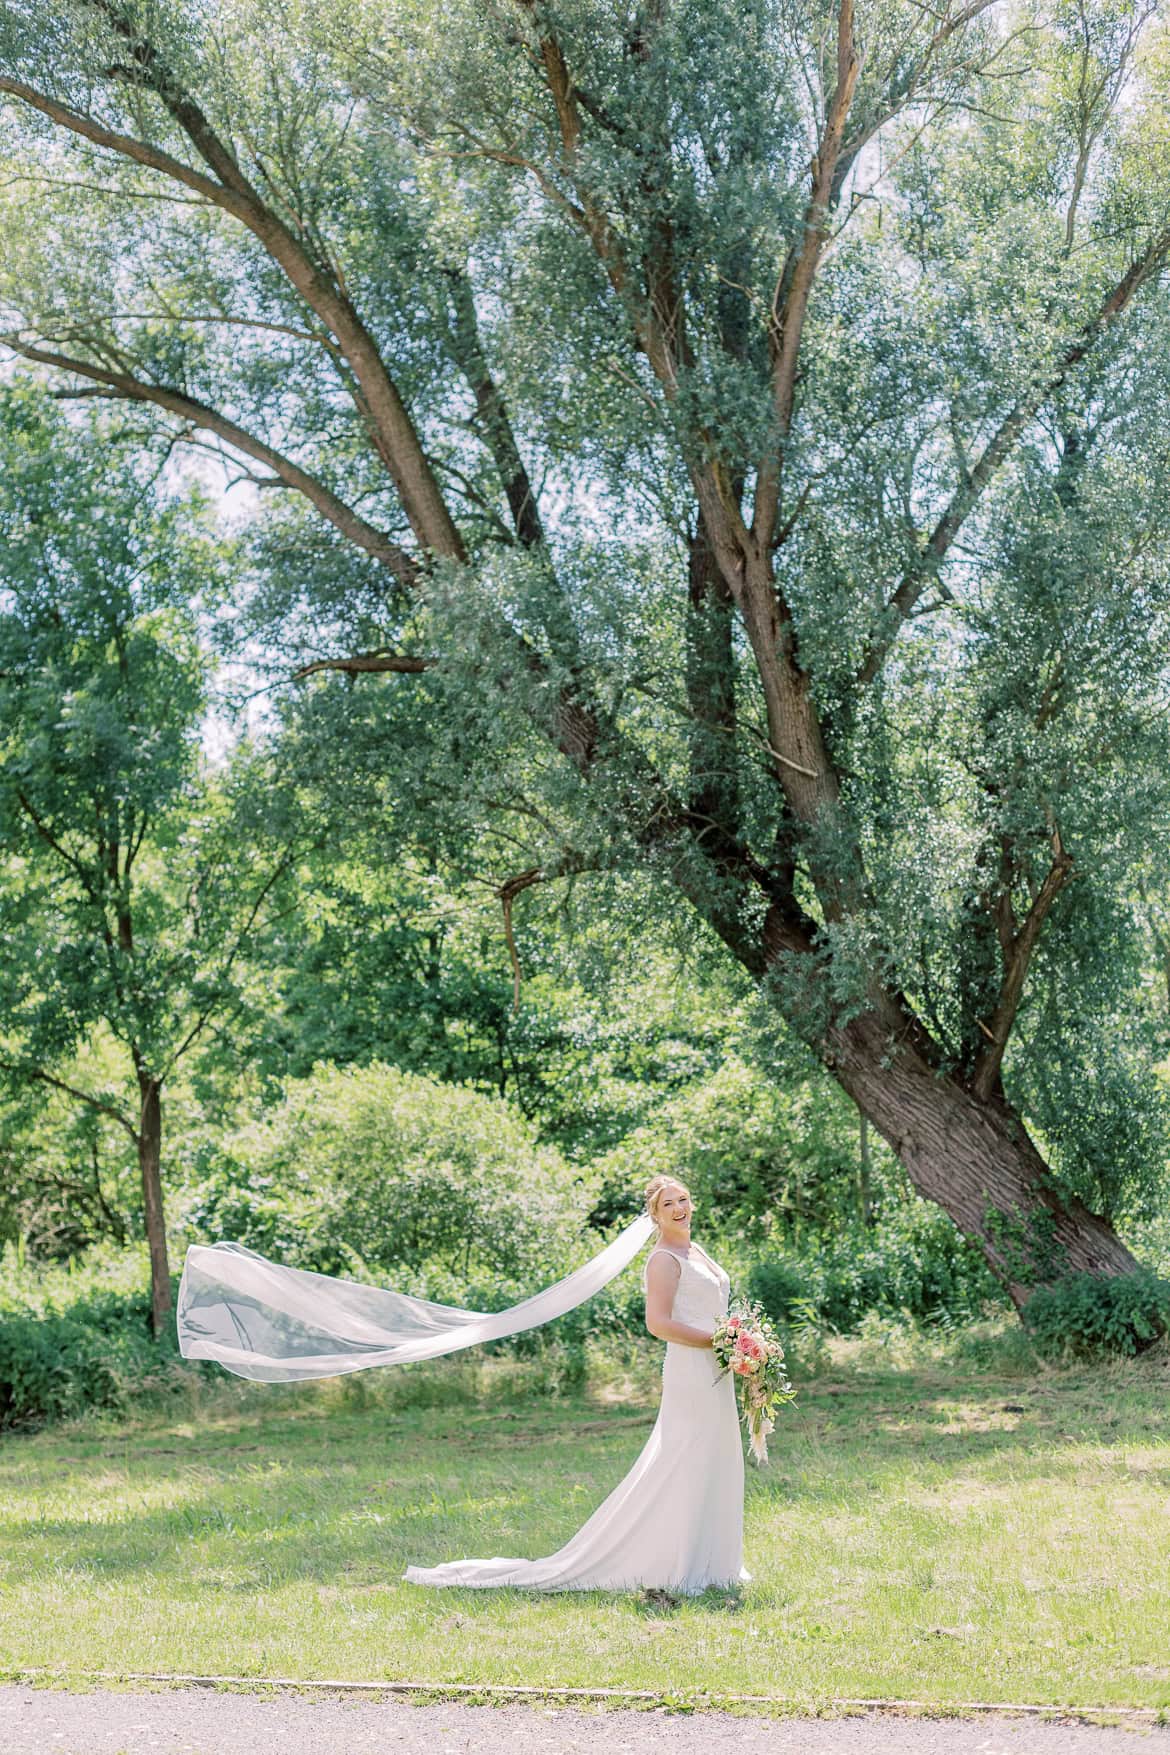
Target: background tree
134	882
63	1174
684	406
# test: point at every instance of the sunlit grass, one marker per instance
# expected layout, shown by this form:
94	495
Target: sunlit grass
929	1531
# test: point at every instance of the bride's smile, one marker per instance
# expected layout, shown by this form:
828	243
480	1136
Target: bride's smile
674	1215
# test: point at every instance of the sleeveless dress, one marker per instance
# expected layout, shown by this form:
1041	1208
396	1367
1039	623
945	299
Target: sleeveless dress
676	1522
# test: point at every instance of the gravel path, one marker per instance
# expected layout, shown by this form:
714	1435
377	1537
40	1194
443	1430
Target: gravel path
194	1721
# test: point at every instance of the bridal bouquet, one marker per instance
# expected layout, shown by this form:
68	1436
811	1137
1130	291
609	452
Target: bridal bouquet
746	1344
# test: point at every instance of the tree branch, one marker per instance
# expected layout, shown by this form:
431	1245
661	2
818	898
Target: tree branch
363	663
906	85
379	402
496	425
996	452
41	1077
507	892
795	282
1018	957
644	306
200	1023
81	872
125	145
493	415
123	386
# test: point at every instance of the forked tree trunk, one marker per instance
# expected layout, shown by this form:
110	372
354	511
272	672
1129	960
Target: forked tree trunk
149	1164
972	1157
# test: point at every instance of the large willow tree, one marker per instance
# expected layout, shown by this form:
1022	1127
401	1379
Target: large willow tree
741	432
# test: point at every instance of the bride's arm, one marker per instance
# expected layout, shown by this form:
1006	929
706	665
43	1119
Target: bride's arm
662	1278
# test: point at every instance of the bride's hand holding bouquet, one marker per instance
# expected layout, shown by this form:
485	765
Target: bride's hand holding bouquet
746	1344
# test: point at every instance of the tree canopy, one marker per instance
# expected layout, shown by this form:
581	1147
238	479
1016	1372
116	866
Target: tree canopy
722	445
132	882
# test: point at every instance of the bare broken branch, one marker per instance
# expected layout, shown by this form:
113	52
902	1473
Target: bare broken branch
382	659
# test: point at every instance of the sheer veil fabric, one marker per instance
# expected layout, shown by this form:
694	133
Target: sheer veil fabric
279	1324
675	1522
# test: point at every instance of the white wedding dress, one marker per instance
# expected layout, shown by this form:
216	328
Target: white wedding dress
676	1522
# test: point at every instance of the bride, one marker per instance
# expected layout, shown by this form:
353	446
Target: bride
676	1522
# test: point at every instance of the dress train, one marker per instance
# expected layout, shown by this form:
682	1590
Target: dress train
676	1521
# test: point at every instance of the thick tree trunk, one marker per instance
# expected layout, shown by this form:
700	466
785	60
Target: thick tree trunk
713	791
969	1154
973	1157
149	1164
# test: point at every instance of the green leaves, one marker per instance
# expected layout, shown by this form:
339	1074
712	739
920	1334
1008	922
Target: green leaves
514	286
389	1171
136	880
1084	1316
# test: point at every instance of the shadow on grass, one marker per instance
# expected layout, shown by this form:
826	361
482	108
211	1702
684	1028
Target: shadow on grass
871	1431
349	1496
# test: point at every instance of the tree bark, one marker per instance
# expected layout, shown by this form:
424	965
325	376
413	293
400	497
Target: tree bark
149	1164
970	1155
713	792
973	1157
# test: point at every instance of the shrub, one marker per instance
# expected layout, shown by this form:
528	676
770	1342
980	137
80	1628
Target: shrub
379	1169
1085	1314
748	1146
52	1367
784	1284
913	1262
78	1336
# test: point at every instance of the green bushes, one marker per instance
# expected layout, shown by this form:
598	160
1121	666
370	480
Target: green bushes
72	1341
438	1190
752	1148
784	1284
1085	1315
913	1262
777	1163
75	1340
375	1169
54	1366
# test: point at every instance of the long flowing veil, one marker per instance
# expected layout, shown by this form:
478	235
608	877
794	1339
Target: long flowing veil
277	1324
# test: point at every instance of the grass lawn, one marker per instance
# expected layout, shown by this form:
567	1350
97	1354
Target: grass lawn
936	1532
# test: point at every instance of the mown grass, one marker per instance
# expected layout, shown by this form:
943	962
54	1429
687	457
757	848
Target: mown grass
935	1530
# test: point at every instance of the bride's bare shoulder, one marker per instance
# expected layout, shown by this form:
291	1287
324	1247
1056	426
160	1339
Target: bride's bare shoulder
663	1266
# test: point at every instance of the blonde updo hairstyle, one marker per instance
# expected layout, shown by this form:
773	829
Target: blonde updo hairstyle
654	1190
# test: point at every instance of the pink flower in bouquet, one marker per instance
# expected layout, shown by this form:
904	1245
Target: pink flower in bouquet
747	1345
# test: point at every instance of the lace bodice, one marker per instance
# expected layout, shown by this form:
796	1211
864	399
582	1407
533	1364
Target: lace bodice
703	1287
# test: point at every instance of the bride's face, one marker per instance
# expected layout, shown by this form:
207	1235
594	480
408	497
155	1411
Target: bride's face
674	1208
